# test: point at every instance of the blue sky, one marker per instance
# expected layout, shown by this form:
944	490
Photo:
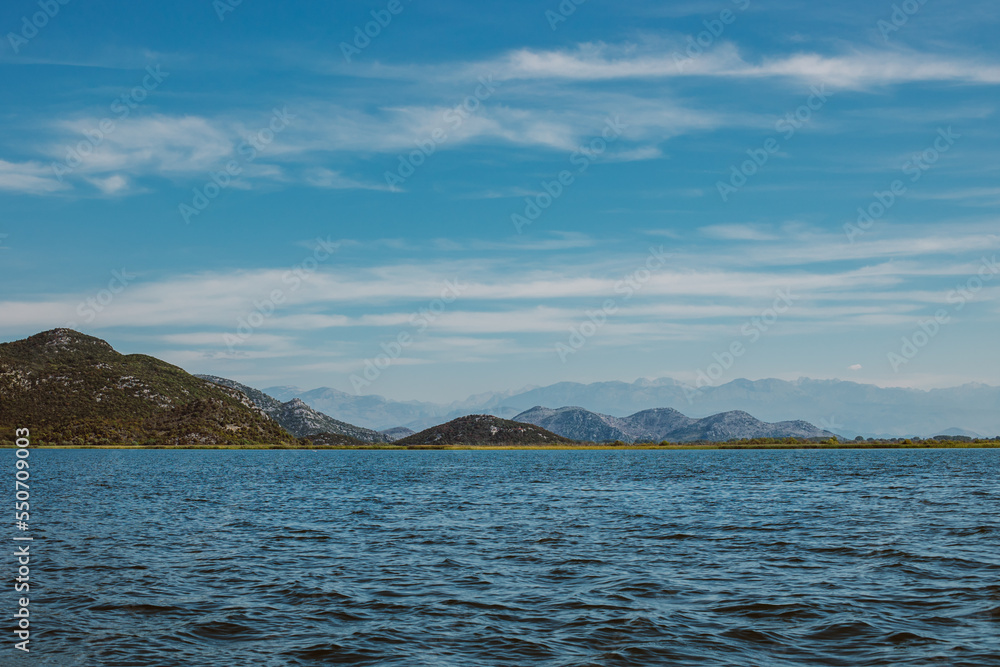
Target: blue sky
492	197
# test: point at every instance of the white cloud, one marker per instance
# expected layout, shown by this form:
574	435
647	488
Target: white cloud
334	180
738	233
166	145
636	154
28	177
111	185
510	295
826	247
860	69
545	99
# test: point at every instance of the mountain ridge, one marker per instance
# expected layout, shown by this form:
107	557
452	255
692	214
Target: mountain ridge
846	407
78	389
295	416
664	424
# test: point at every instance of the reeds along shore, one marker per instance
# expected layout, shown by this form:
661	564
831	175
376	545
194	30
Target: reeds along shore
736	444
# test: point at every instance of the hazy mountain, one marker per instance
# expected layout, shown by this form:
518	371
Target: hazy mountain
663	424
295	416
846	408
484	430
394	434
373	412
77	389
69	388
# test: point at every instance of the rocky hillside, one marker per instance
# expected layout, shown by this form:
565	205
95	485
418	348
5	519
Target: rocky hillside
296	417
662	424
737	425
647	425
576	423
484	430
73	389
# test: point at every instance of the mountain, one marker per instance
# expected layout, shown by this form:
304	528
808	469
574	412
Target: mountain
651	425
576	423
484	430
394	434
296	417
662	424
373	412
73	389
738	425
847	408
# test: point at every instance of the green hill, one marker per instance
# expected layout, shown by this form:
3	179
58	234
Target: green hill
484	430
73	389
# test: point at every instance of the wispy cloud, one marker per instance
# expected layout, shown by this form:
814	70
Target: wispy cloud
544	103
28	178
335	180
111	185
739	233
701	284
859	69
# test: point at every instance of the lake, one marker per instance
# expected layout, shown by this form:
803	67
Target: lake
568	558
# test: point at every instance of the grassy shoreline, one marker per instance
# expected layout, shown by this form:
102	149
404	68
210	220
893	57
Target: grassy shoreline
581	447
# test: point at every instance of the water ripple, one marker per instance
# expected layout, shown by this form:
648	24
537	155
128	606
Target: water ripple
559	559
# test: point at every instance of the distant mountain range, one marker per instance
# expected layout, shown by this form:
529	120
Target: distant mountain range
662	424
846	408
376	412
75	389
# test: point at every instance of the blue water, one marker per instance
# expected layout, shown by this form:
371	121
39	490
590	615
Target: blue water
561	558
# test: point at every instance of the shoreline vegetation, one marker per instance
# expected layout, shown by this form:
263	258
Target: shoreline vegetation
757	444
